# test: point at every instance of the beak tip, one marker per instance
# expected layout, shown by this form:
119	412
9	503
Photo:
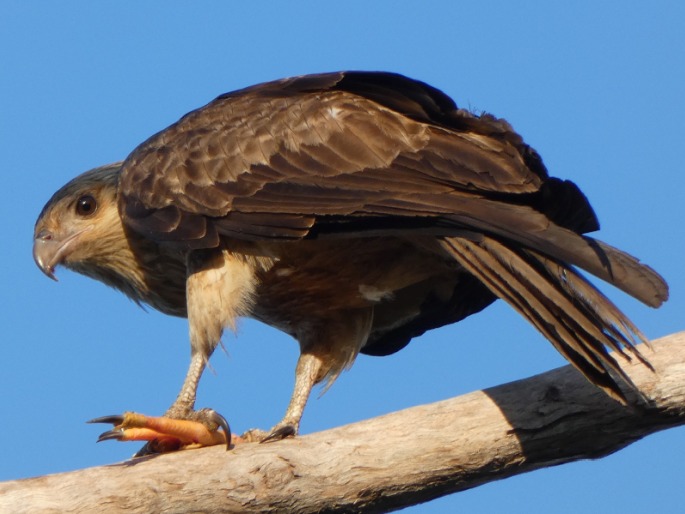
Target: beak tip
48	271
44	254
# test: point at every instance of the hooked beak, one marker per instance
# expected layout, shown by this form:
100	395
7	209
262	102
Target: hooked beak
49	250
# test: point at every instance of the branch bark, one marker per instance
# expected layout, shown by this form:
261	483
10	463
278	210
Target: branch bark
380	464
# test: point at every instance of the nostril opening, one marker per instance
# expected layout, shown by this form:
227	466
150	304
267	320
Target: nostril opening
44	235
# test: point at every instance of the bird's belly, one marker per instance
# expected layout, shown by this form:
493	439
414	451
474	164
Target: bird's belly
319	280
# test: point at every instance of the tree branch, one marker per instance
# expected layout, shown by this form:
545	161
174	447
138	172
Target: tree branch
387	462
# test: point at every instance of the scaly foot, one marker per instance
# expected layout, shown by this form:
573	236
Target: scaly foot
165	434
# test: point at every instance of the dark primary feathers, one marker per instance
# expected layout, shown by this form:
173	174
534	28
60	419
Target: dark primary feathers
368	156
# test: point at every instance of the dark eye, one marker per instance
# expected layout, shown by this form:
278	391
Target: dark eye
86	205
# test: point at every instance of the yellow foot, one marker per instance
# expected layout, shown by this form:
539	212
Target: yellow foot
167	434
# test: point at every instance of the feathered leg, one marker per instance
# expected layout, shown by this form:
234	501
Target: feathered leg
218	289
327	348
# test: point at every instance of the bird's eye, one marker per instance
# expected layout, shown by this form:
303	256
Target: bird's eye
86	206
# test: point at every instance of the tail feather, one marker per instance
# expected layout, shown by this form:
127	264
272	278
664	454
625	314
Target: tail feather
578	319
534	230
602	260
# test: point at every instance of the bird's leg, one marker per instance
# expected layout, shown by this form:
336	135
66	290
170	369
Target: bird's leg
182	407
326	350
218	289
181	427
307	374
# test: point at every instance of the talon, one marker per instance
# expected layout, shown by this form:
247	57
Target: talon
167	434
156	447
280	433
222	423
115	419
110	434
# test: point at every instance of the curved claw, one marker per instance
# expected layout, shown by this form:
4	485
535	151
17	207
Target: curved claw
280	433
110	434
114	419
221	422
149	448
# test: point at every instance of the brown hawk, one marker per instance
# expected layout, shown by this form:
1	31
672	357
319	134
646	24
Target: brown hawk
354	211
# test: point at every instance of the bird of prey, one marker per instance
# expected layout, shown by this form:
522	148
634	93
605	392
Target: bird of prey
353	211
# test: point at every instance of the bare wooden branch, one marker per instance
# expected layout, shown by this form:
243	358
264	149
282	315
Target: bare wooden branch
387	462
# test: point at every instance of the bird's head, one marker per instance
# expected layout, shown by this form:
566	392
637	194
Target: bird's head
76	224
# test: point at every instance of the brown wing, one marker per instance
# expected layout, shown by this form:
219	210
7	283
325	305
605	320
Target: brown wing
268	148
352	152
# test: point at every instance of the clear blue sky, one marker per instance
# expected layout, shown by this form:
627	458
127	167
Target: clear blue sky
596	87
